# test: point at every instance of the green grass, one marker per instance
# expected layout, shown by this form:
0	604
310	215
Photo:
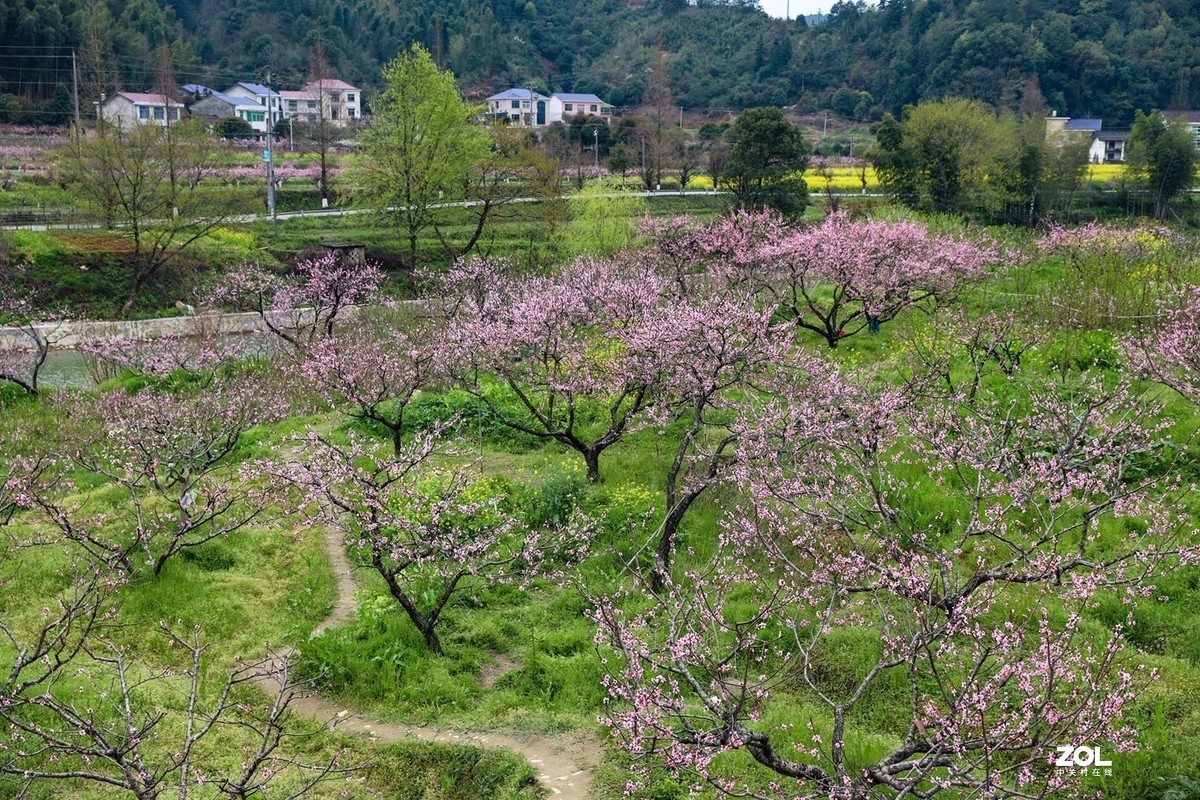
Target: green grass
524	659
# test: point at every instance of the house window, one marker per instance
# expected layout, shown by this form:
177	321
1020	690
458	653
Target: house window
524	104
312	104
143	112
568	107
333	113
606	111
592	108
350	113
349	97
158	112
255	116
291	105
516	103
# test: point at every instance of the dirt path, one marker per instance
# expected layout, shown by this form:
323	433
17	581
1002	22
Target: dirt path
564	764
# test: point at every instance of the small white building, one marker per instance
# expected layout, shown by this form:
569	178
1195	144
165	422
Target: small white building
564	106
523	107
340	101
259	94
126	109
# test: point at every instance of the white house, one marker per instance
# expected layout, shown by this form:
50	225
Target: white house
563	106
341	102
300	105
258	93
523	107
126	109
527	108
1104	147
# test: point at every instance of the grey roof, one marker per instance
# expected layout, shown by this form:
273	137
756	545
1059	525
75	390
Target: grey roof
211	105
1186	116
1083	125
257	88
196	88
517	94
1113	136
579	98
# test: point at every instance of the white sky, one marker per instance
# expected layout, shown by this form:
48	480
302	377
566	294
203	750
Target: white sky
778	8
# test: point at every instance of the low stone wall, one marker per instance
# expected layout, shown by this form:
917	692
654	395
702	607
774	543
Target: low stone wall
70	335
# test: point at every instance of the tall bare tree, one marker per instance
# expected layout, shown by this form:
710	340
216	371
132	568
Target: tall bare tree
323	130
657	132
98	75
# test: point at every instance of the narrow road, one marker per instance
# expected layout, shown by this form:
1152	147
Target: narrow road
564	764
283	216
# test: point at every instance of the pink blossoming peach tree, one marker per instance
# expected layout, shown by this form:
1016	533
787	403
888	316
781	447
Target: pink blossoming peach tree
430	531
968	609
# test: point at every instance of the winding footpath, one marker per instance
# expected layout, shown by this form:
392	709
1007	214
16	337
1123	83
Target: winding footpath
564	764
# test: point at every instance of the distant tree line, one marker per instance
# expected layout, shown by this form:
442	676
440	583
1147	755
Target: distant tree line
1100	58
960	155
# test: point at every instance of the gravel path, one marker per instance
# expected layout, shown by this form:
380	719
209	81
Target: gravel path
564	764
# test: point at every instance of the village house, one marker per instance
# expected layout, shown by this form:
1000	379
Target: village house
565	106
1104	147
340	102
523	107
301	106
127	109
218	105
528	108
258	93
1191	119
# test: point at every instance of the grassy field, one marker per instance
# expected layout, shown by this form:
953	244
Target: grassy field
525	660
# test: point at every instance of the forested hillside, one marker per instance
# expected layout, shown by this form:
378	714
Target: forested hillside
1102	58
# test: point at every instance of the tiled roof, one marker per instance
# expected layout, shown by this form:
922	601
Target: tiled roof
257	88
331	84
146	98
579	98
517	94
234	100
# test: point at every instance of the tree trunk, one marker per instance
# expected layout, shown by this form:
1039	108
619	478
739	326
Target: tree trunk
431	639
397	430
425	624
592	458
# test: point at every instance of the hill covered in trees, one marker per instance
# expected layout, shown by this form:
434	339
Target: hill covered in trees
1101	58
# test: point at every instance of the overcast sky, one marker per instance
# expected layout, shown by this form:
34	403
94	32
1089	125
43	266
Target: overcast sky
778	8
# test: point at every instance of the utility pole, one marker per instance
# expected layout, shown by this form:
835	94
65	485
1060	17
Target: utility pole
596	145
75	83
270	159
681	118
